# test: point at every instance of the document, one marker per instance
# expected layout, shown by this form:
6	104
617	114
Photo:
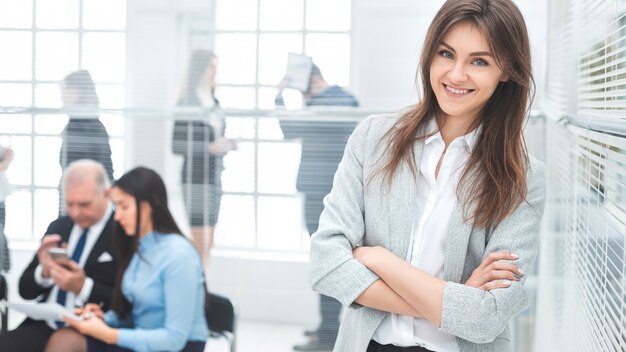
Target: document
298	71
42	311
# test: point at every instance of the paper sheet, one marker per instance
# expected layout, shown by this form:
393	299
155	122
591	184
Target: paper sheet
42	311
298	71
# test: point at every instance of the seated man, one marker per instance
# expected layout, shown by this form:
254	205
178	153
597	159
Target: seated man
89	276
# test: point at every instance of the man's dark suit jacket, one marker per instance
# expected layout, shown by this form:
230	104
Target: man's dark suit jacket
102	273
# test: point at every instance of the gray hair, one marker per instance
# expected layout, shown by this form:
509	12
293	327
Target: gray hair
79	171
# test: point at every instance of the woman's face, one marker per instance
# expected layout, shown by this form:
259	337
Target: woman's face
207	82
463	73
126	213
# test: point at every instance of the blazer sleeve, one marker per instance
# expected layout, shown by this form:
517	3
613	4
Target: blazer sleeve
28	287
480	316
333	271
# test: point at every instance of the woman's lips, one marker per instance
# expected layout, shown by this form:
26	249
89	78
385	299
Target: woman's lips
457	91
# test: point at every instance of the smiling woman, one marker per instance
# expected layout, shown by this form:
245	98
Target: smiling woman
435	212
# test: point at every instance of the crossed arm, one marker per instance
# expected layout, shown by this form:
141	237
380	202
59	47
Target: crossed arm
407	290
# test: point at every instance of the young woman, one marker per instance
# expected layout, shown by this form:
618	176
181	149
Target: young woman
159	295
84	137
435	212
199	139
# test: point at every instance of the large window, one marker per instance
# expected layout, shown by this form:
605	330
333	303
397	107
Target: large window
48	40
253	38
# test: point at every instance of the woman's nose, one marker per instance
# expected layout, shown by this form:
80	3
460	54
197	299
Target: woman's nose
457	73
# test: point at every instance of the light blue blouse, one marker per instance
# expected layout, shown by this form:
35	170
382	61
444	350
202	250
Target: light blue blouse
165	284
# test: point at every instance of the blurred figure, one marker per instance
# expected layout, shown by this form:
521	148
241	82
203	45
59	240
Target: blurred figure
199	140
88	275
323	143
320	92
6	157
84	137
159	295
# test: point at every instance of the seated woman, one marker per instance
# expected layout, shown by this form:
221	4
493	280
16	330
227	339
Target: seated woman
159	295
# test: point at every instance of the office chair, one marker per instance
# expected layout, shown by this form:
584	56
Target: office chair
220	316
4	312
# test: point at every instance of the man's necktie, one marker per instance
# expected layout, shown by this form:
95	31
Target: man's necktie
78	252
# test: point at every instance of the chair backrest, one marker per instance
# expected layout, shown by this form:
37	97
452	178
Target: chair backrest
4	313
220	314
3	287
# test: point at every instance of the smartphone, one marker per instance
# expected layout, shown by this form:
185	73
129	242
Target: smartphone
59	255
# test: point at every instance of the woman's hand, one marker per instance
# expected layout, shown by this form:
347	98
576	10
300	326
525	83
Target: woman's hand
95	327
90	310
222	146
494	273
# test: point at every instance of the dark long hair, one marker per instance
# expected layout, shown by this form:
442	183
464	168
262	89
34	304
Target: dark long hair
145	185
499	162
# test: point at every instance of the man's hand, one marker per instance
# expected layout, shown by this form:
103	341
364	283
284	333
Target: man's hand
45	260
494	273
71	278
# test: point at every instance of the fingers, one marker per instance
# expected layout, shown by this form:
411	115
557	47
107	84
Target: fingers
50	240
492	285
500	275
72	265
71	322
496	256
94	308
506	266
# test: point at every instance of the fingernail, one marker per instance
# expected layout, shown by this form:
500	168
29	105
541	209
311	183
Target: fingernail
506	282
521	272
515	256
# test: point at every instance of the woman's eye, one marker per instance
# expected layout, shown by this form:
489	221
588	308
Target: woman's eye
480	62
446	54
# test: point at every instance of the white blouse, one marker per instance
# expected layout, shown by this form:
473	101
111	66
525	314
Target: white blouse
436	199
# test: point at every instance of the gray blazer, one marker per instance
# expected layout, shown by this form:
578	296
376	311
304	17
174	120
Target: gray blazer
357	212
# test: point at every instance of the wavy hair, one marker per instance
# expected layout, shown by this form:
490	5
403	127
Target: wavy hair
497	166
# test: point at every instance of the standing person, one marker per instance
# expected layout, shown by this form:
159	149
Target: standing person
6	157
84	137
159	295
435	211
199	140
323	143
87	234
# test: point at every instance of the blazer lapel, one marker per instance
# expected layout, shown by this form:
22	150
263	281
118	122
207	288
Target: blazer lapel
402	206
101	242
458	237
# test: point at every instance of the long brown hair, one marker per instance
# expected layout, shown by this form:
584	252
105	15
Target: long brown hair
498	164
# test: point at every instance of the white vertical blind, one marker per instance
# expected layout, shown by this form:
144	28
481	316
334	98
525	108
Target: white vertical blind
582	285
